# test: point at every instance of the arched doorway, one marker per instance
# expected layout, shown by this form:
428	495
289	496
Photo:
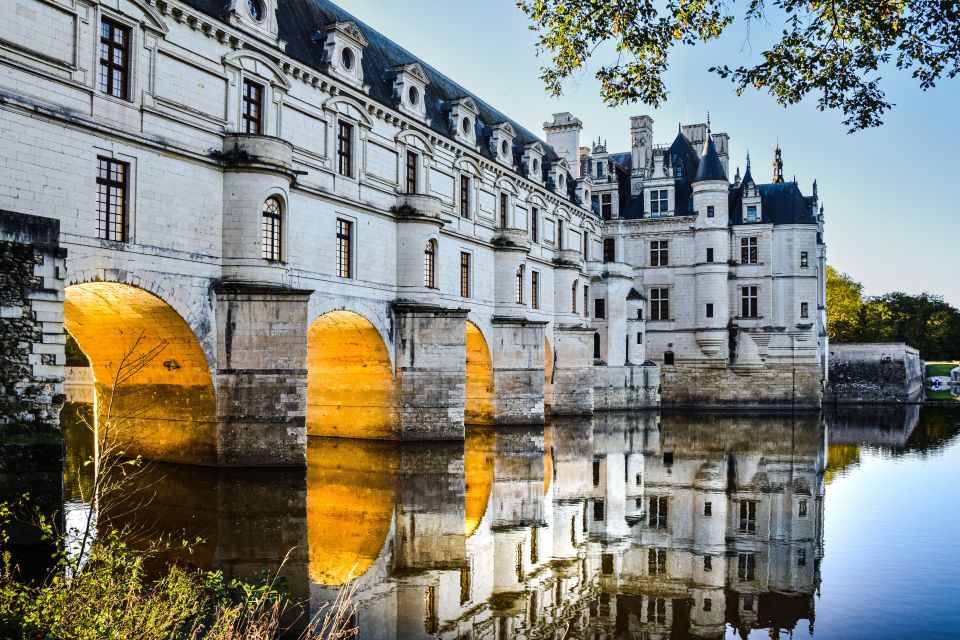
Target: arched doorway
478	406
154	392
350	383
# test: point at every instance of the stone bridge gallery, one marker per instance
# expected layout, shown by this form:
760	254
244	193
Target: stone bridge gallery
326	236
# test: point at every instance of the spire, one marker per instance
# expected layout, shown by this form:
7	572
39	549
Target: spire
736	178
711	168
777	165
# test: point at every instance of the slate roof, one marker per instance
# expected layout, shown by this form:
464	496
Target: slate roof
781	203
710	168
298	21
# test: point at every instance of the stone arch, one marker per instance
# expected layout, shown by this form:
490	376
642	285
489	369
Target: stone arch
351	493
351	390
478	405
154	390
259	64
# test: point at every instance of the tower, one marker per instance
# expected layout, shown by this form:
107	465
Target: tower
777	166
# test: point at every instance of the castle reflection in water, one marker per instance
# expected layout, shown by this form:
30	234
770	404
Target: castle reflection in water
646	525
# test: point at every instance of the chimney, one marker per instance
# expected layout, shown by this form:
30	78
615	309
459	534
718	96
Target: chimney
563	134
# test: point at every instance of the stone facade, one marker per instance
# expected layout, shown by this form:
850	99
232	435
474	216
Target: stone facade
875	373
31	324
294	188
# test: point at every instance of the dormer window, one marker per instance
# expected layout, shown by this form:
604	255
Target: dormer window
343	50
256	9
409	87
532	156
413	95
751	213
501	142
504	148
463	119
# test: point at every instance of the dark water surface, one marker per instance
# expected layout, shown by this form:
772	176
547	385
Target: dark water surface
842	525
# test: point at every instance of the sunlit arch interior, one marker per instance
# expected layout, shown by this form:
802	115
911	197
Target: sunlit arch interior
547	459
351	493
478	473
351	390
165	407
547	374
478	407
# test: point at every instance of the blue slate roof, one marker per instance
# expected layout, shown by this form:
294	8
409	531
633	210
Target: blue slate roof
299	20
781	203
710	168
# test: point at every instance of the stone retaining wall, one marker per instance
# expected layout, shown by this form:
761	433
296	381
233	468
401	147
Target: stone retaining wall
874	373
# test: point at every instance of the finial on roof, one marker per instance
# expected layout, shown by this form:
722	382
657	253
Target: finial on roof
736	177
815	189
708	121
748	161
679	127
777	165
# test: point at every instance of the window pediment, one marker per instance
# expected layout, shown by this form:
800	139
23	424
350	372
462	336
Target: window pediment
259	65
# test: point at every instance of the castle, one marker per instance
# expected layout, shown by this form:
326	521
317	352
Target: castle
330	237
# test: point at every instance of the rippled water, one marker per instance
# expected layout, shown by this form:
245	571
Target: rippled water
619	526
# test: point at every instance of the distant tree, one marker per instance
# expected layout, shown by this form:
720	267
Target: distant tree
844	306
833	50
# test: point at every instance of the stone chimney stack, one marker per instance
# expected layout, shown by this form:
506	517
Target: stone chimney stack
563	134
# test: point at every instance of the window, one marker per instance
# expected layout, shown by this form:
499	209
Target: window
586	245
519	291
708	563
251	113
658	203
596	346
573	296
748	251
596	472
659	304
656	610
464	196
345	148
801	557
668	358
112	199
606	206
657	518
586	301
595	204
600	308
609	253
519	566
598	511
599	169
803	509
534	546
656	561
748	602
503	211
464	274
751	213
535	289
804	259
659	253
465	584
412	160
639	337
707	604
431	618
748	516
709	309
606	564
429	265
746	567
748	302
710	211
560	239
534	224
344	247
114	59
270	242
707	509
804	309
668	458
709	254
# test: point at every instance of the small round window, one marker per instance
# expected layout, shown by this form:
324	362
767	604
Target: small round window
256	9
465	126
414	95
504	148
561	179
346	57
536	165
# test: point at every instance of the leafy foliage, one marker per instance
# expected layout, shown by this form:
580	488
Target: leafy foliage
923	321
833	49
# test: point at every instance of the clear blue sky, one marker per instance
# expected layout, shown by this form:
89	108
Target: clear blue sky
891	203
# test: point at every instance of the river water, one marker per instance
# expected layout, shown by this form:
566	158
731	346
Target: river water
648	525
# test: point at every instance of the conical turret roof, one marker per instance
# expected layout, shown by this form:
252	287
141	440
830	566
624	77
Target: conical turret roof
711	167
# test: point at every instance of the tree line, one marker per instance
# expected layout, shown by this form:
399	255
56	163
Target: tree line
923	321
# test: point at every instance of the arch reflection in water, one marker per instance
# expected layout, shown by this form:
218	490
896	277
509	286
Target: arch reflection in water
478	406
618	524
165	408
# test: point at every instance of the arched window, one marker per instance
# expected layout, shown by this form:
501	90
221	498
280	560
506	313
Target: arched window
573	296
520	284
668	358
271	243
430	264
596	346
